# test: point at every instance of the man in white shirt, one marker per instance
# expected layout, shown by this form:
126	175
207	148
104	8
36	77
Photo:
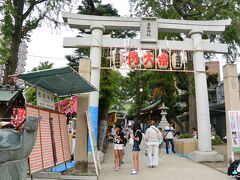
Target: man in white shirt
169	136
152	136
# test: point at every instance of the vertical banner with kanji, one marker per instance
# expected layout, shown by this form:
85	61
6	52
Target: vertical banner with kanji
234	123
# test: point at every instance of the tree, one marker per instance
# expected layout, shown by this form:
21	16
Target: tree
137	90
109	80
20	18
43	65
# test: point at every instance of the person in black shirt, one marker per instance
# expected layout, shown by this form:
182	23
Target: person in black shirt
118	146
137	137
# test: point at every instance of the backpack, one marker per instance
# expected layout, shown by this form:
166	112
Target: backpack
233	169
143	143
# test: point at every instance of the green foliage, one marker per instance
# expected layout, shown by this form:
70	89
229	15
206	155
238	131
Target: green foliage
7	30
110	91
185	135
132	85
94	7
43	65
31	96
217	140
20	18
212	79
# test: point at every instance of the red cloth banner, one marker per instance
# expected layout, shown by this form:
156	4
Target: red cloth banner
68	106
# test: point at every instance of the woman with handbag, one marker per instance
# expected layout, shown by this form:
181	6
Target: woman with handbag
137	138
168	138
118	146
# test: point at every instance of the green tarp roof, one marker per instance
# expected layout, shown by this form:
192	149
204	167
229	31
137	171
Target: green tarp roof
61	81
7	95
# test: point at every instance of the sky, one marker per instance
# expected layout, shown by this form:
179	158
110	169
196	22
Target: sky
47	44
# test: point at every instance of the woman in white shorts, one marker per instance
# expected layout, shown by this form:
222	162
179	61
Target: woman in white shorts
118	146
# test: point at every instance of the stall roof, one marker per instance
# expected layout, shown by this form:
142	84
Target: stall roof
61	81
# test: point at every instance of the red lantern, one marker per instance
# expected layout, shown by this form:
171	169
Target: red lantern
162	60
133	59
148	59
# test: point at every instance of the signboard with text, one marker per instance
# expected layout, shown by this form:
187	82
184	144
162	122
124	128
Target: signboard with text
149	29
234	123
45	99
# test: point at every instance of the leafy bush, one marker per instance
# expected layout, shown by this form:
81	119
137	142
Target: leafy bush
185	135
217	140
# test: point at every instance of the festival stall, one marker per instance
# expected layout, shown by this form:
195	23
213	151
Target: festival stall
52	145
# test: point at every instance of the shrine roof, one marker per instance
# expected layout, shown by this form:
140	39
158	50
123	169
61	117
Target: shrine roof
151	107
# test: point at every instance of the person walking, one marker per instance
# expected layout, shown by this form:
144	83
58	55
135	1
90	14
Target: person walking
137	137
118	146
152	136
169	136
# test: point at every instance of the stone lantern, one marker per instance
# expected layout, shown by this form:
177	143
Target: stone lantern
163	123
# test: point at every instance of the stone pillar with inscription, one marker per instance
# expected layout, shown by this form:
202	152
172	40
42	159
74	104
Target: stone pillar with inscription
232	103
81	151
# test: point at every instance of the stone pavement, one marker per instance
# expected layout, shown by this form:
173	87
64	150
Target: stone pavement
171	167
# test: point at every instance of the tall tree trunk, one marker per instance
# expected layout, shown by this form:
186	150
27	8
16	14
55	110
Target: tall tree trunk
16	37
192	112
192	121
192	118
102	115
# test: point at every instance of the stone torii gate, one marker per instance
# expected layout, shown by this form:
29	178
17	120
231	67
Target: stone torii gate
149	28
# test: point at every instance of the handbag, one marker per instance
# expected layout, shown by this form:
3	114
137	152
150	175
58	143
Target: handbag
131	141
164	137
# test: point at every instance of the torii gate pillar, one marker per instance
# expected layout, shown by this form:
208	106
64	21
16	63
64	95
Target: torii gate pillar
95	57
204	152
201	91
